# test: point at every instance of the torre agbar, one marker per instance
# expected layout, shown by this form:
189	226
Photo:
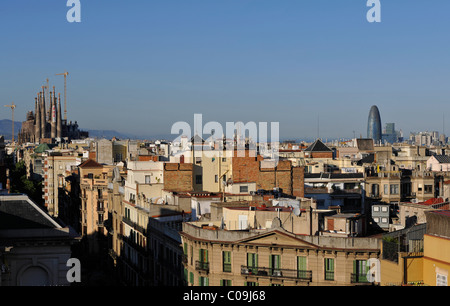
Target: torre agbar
374	124
45	124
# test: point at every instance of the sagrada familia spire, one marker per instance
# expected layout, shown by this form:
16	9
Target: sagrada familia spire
45	124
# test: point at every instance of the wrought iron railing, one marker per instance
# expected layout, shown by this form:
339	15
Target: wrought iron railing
201	266
274	272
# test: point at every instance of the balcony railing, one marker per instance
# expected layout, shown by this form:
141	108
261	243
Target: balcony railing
281	273
357	278
329	275
201	266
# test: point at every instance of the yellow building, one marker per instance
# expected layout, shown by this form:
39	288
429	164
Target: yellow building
436	260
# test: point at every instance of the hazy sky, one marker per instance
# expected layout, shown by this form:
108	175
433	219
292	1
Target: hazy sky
139	66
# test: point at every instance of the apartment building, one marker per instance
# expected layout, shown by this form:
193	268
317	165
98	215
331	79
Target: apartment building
146	217
94	203
346	190
273	257
436	256
57	166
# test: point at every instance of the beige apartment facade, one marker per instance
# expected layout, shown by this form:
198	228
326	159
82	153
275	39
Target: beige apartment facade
56	168
94	202
274	257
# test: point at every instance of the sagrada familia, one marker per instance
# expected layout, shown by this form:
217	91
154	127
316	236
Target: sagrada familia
45	124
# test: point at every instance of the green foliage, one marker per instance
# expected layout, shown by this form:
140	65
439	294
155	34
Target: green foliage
21	184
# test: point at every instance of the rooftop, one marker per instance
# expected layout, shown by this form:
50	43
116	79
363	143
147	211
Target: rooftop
318	146
442	159
19	212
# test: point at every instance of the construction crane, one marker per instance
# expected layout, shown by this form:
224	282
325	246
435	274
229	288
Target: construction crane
12	106
65	74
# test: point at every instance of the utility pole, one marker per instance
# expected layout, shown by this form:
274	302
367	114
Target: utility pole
65	74
12	106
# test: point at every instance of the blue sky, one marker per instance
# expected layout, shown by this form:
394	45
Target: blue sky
140	66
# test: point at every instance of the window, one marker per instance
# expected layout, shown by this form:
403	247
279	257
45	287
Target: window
275	264
191	278
203	255
376	220
147	179
224	159
243	188
394	188
359	271
386	189
225	282
252	261
376	208
216	178
301	267
203	281
251	284
329	269
384	220
226	256
384	208
198	179
428	188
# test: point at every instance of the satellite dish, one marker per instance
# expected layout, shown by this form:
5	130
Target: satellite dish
297	211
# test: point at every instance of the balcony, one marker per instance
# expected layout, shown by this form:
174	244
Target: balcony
316	190
202	266
305	275
329	275
359	279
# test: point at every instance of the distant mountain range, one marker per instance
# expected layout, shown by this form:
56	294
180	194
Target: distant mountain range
6	128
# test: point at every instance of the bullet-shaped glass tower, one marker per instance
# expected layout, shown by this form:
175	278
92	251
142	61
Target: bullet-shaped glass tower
374	124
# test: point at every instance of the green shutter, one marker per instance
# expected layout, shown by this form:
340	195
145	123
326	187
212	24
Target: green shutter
203	255
227	257
252	260
301	263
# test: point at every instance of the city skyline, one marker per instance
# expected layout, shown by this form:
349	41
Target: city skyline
314	67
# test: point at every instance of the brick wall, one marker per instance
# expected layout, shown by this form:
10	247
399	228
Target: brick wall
178	177
290	179
298	181
322	154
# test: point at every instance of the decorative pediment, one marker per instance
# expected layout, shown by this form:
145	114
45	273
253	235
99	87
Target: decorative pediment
277	237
